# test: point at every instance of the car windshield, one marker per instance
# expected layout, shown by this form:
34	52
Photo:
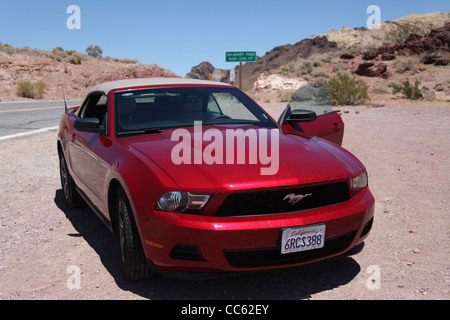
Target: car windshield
152	110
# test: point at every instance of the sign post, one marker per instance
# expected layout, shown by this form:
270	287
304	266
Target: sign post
240	56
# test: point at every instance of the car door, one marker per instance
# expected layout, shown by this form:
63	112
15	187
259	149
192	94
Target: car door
328	124
85	150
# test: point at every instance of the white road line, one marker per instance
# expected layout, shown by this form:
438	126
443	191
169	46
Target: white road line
28	133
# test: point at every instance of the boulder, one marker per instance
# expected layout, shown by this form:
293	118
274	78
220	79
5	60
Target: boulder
205	70
370	55
348	56
201	71
435	58
387	57
276	82
371	69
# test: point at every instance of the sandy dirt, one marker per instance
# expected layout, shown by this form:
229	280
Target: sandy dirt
405	147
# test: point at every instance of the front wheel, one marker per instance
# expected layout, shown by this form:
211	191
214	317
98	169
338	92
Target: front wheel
133	260
71	196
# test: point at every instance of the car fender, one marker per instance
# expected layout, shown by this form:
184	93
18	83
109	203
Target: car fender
142	180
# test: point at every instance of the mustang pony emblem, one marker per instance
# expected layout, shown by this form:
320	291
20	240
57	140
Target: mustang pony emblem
294	198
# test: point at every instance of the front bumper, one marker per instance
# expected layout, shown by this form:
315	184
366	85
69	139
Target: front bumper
177	242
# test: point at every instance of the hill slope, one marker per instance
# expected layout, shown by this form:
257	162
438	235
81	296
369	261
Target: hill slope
360	39
76	71
415	47
319	57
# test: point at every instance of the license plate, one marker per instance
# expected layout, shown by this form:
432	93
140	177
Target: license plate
302	238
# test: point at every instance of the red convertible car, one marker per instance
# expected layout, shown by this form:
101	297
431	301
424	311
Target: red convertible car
193	176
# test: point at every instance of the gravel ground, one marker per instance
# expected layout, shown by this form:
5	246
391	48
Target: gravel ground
405	147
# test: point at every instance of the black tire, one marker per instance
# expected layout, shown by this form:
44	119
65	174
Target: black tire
71	196
133	261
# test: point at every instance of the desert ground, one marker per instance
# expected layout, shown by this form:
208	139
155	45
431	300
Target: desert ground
404	145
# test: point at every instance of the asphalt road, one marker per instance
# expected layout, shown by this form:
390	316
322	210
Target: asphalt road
18	118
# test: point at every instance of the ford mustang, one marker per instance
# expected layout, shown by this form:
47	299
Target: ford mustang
195	177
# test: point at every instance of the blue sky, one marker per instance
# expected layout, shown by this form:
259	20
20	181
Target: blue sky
178	34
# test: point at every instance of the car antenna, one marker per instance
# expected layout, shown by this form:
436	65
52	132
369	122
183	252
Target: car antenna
64	96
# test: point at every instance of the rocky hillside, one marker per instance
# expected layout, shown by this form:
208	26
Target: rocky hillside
415	47
75	70
272	60
284	55
363	39
387	42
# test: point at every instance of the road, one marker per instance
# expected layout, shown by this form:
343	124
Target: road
18	118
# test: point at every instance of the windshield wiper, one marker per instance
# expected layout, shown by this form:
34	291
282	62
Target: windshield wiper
145	131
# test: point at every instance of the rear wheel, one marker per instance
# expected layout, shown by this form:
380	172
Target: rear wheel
71	196
133	260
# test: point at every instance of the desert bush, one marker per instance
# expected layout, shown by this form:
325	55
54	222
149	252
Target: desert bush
405	64
381	89
126	60
339	67
306	66
57	54
94	51
355	49
346	89
6	48
307	78
285	95
316	62
75	58
410	91
67	70
391	83
321	81
285	69
292	68
321	72
326	58
34	90
25	89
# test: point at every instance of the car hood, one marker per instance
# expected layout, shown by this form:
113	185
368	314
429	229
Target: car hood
302	160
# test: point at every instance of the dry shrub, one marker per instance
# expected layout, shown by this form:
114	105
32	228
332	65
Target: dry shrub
34	90
345	89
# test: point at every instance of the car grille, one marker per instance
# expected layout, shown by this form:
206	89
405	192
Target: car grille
271	201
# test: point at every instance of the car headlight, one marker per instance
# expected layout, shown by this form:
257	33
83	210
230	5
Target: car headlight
176	201
359	183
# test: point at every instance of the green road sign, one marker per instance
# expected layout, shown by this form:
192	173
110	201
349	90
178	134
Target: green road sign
241	56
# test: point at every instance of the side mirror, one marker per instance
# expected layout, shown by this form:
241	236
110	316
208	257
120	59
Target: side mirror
89	125
300	115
